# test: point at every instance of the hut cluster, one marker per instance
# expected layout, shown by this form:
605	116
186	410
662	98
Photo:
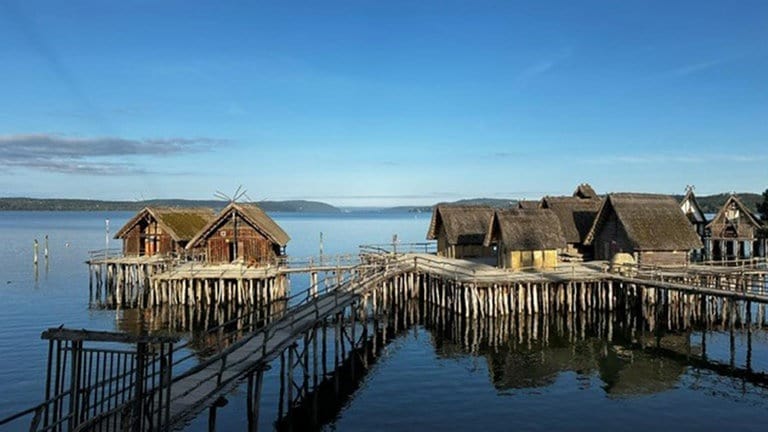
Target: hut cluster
239	233
653	229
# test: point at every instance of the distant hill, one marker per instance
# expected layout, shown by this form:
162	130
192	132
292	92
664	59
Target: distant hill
708	203
712	203
48	204
493	202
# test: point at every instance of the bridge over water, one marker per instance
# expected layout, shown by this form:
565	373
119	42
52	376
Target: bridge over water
158	384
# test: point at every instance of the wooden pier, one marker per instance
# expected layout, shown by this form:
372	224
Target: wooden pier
381	282
126	282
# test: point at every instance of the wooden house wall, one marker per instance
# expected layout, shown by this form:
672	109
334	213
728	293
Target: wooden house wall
442	243
472	251
540	259
741	228
252	246
663	258
611	238
143	232
131	242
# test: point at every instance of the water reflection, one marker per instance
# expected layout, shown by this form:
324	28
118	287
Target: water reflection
628	353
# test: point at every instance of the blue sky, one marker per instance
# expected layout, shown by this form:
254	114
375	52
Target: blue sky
381	103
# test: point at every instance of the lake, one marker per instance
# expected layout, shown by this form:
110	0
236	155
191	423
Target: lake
442	373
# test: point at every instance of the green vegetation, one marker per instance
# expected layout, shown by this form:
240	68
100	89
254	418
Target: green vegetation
762	207
55	204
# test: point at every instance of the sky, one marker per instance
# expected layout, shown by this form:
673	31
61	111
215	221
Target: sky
378	103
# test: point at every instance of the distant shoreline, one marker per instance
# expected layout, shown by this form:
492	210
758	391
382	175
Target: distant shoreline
709	204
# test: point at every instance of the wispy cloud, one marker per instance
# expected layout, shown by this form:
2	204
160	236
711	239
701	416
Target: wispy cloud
49	152
540	68
694	68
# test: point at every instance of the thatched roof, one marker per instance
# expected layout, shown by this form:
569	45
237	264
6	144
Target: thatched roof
744	226
585	191
180	223
525	229
652	222
463	224
528	204
252	215
575	214
690	206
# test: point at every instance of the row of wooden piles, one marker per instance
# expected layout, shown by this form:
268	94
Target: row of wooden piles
532	298
136	285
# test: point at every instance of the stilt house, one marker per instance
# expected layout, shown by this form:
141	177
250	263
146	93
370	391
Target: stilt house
651	227
691	208
734	233
241	232
526	238
162	230
576	215
460	231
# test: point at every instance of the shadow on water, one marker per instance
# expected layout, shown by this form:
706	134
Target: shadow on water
632	352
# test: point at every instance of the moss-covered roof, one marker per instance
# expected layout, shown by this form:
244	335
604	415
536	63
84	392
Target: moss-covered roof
181	223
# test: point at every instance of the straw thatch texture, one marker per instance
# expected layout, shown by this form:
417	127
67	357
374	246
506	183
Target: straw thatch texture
180	223
585	191
461	224
576	215
651	222
525	230
252	215
528	204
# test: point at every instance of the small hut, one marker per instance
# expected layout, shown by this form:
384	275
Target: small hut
460	231
576	216
734	232
162	230
241	232
585	191
651	227
691	208
526	238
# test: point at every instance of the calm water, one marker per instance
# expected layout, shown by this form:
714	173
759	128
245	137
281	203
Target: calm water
438	373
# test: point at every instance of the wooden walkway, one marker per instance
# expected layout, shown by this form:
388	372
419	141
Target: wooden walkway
197	388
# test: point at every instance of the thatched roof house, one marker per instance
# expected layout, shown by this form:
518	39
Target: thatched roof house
526	238
734	232
651	227
162	230
585	191
690	206
241	232
576	216
460	230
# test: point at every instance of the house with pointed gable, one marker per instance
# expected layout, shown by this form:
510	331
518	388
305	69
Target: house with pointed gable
585	191
576	214
241	232
650	227
460	231
734	232
690	206
162	230
526	238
